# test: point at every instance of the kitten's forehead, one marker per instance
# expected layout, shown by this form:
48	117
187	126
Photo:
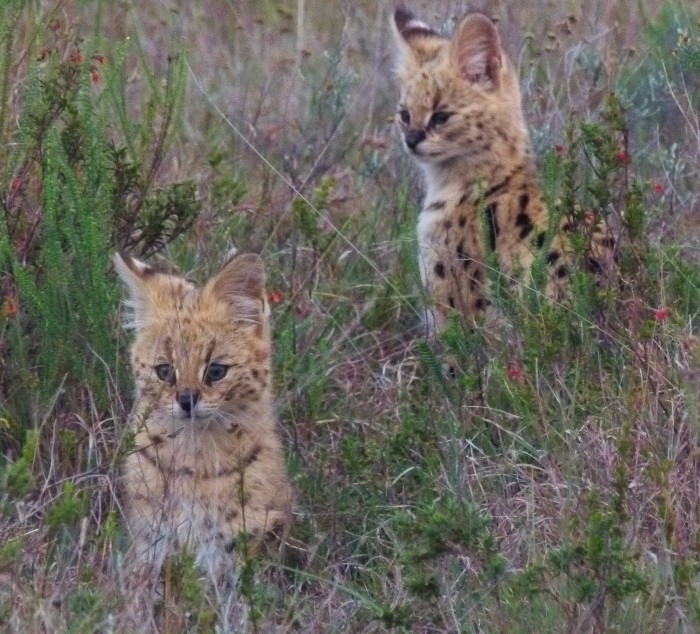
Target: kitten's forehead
430	89
192	349
176	293
193	329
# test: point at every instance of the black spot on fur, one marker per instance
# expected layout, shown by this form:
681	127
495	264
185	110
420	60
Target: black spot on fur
524	221
567	226
451	301
502	134
463	197
436	205
231	546
462	221
552	257
540	239
594	266
463	255
440	270
185	471
492	225
524	201
481	303
156	439
562	271
447	224
251	456
499	187
231	515
221	473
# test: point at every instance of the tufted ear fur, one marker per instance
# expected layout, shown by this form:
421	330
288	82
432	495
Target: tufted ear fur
136	276
150	289
416	42
475	51
241	283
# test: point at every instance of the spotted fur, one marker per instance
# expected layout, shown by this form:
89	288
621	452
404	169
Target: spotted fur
208	463
461	118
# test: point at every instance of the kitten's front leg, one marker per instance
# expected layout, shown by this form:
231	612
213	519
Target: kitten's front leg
146	514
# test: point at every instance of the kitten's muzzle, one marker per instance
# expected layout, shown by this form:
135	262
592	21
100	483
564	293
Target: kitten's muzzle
414	137
187	400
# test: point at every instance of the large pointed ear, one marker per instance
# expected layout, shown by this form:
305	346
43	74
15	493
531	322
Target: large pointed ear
475	51
151	288
136	275
417	43
241	283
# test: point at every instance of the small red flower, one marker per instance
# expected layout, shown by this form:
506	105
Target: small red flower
303	311
662	314
9	307
78	57
590	217
55	25
559	149
659	188
96	79
16	182
515	371
275	297
623	157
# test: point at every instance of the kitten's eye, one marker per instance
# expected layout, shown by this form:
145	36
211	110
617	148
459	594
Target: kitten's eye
215	372
165	372
440	117
405	116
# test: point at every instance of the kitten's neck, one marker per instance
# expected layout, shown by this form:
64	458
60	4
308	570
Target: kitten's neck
462	174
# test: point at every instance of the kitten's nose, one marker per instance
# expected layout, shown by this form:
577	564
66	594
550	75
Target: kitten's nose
187	399
414	137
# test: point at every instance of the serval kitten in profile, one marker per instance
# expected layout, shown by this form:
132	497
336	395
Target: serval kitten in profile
208	463
462	121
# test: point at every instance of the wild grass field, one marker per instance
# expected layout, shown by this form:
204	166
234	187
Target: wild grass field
552	485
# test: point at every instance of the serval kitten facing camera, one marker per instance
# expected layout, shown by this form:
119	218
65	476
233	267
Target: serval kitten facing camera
462	121
208	463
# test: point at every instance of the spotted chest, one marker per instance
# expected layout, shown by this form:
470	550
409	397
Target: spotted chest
203	492
458	235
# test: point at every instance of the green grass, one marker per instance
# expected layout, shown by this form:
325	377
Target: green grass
551	485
